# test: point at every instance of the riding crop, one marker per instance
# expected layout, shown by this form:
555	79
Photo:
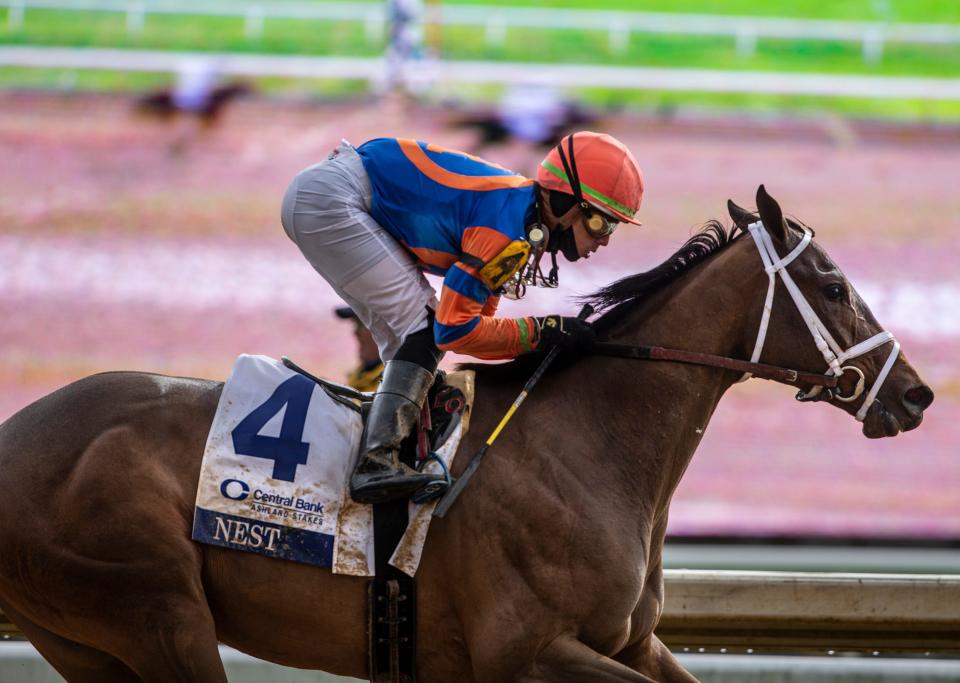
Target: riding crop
451	496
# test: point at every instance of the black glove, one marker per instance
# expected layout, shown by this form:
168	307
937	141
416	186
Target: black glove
570	334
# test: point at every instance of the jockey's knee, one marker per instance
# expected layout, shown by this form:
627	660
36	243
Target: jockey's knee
420	347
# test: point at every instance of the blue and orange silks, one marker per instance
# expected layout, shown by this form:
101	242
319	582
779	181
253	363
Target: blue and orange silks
453	211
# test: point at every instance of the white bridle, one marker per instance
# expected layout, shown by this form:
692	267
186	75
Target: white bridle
832	353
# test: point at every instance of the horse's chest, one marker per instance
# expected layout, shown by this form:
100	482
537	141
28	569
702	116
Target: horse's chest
649	607
632	618
619	606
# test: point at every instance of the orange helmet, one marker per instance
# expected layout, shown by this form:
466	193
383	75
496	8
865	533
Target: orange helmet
604	173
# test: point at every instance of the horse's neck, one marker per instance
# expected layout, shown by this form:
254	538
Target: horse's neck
615	435
662	409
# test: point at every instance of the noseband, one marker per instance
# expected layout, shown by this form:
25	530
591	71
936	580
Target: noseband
831	351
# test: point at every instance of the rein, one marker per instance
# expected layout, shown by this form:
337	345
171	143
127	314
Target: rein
761	370
823	385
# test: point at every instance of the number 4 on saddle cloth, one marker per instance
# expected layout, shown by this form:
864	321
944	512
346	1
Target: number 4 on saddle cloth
277	461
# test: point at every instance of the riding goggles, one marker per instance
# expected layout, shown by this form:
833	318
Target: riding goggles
598	224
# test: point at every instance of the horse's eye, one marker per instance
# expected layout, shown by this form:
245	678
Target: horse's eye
834	292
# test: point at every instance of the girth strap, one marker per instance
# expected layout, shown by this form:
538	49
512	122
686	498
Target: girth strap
392	602
762	370
392	597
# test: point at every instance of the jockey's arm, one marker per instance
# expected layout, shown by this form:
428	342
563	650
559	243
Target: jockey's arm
490	308
465	320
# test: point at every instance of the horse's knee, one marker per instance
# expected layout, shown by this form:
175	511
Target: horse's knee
179	645
75	662
563	660
654	659
567	659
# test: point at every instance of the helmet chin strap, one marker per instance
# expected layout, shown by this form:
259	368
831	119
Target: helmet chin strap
565	242
561	239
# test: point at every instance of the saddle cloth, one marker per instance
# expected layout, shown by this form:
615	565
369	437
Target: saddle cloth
275	468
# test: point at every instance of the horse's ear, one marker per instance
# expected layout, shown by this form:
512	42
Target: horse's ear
771	215
741	217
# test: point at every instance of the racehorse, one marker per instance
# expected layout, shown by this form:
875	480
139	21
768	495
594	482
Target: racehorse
162	104
549	566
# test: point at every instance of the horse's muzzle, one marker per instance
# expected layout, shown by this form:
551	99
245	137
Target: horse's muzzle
881	422
917	399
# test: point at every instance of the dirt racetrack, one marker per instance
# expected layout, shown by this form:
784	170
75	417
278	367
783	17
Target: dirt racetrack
116	253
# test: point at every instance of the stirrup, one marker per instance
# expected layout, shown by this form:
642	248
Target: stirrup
380	488
379	476
435	489
432	491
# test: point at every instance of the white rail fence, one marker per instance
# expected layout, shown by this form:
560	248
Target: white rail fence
812	611
619	25
428	74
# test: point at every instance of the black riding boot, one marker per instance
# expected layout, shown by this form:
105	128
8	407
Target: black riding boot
379	475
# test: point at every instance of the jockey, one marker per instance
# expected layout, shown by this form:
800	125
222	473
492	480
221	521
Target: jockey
372	219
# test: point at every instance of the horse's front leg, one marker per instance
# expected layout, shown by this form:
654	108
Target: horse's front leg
651	657
567	660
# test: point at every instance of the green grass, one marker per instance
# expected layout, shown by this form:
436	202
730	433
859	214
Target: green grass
919	11
219	34
670	51
172	32
135	82
923	11
86	79
651	101
889	109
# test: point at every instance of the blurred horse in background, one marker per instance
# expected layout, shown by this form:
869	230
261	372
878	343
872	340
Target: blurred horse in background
162	104
195	103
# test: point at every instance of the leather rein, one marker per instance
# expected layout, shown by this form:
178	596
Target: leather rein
822	385
761	370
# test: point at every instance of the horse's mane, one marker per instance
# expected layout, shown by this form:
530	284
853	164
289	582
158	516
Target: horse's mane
618	300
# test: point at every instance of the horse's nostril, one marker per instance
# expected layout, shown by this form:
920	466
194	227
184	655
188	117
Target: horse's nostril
919	396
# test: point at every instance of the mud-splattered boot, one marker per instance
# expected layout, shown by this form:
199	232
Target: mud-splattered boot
379	475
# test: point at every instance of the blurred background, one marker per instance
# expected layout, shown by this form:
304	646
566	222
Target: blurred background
145	146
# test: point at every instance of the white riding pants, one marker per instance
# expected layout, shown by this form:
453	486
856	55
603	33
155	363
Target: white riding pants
326	212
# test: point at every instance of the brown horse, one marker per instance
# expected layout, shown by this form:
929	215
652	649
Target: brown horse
548	568
162	104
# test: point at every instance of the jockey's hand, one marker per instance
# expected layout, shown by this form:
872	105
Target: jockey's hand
570	334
